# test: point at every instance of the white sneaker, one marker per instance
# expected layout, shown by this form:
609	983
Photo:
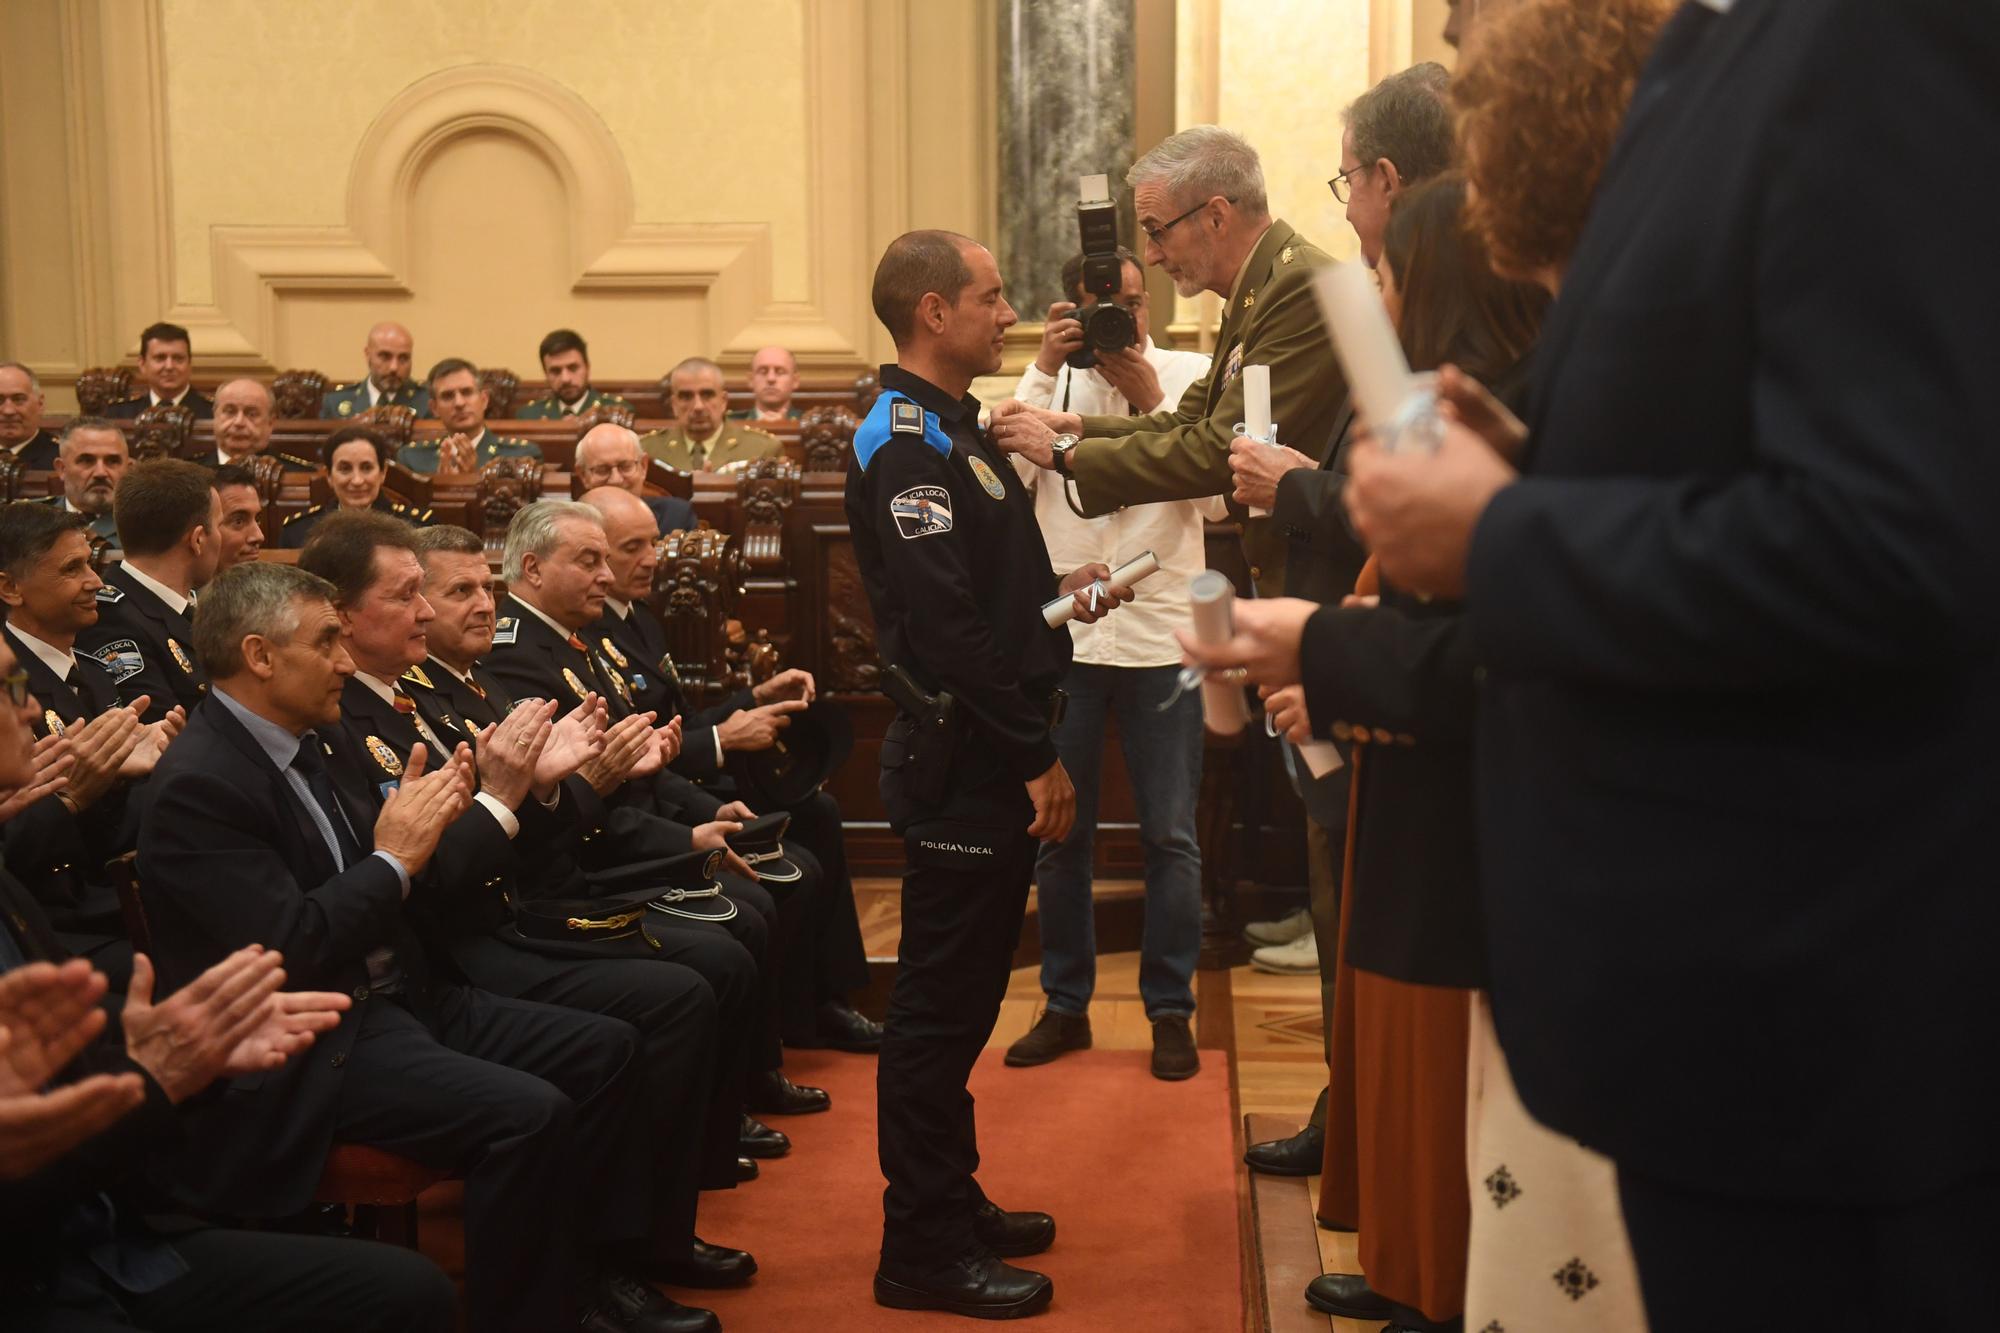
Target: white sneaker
1299	957
1282	931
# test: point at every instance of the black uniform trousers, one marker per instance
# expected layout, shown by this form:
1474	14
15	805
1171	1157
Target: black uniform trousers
533	1105
827	960
261	1282
965	892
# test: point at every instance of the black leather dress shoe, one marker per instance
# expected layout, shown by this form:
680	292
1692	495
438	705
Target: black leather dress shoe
1347	1295
1012	1235
708	1266
771	1093
746	1170
754	1138
1299	1155
844	1028
627	1305
979	1288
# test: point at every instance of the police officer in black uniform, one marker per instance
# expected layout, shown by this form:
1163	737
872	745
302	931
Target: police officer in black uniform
956	572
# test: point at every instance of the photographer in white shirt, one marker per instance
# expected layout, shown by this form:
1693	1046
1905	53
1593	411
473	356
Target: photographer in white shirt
1125	663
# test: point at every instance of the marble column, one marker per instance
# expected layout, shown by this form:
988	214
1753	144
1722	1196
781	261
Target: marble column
1067	98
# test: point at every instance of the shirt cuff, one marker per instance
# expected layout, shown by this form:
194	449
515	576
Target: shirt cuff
402	873
502	816
717	733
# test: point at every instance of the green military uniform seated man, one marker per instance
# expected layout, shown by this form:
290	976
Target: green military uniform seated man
90	462
387	383
1200	200
460	403
566	362
701	438
774	378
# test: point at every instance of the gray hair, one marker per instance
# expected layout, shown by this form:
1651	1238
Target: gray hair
34	380
88	423
688	365
267	600
533	532
447	539
602	436
1406	119
1203	161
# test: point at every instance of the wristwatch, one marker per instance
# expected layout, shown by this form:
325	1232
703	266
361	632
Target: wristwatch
1061	449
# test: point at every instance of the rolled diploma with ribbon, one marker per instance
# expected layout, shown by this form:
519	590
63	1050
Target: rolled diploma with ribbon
1214	602
1378	374
1060	610
1257	414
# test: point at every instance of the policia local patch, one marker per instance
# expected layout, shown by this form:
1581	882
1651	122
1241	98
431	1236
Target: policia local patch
922	511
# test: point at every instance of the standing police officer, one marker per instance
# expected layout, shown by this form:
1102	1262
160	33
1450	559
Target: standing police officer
956	573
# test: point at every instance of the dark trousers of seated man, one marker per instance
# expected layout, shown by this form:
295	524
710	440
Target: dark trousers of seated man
534	1105
824	958
248	1282
965	891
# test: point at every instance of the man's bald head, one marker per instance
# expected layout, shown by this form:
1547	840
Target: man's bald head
774	378
244	415
388	350
609	455
633	535
619	506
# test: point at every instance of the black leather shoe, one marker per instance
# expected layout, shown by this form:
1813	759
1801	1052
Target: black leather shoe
626	1305
1299	1155
746	1170
1012	1235
771	1093
1052	1035
979	1288
1174	1055
1347	1295
844	1028
754	1138
708	1266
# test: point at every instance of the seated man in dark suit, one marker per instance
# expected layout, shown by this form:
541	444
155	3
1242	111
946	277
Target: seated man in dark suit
90	461
60	844
258	831
609	455
566	361
21	432
557	578
164	362
244	416
827	960
168	517
459	400
517	843
388	353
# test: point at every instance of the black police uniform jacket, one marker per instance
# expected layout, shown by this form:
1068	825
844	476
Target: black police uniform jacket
956	572
129	410
38	452
635	646
299	528
145	645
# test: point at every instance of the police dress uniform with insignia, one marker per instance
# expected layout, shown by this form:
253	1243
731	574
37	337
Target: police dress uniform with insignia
104	525
422	455
38	452
215	461
145	644
194	400
551	408
61	856
735	443
298	529
956	572
352	399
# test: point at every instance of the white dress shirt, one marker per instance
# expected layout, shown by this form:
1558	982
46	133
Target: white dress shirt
177	602
1140	634
56	659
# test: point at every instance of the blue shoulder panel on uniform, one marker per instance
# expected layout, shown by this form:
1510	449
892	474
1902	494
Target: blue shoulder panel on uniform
895	414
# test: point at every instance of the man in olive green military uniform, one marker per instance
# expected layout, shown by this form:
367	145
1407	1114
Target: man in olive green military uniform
460	402
387	384
1201	205
566	362
701	439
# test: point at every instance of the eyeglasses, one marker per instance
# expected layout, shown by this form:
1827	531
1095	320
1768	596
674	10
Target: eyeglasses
1154	234
16	682
1343	184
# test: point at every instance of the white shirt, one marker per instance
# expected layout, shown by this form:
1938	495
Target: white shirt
1140	634
177	602
440	752
58	660
174	401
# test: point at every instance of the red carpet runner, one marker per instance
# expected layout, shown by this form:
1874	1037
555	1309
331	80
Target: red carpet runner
1138	1173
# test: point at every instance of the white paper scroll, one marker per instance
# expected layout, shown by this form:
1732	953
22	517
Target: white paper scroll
1060	610
1393	400
1214	602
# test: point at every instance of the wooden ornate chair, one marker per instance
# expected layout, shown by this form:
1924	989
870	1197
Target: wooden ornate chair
866	390
161	432
597	416
395	424
101	386
502	387
766	490
270	474
296	394
506	486
826	438
694	589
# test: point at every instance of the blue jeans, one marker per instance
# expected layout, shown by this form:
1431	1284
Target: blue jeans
1163	757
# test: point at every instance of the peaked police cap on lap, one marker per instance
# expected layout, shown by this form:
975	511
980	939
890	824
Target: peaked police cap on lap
897	414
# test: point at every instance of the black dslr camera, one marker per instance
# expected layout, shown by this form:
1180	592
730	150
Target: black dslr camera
1107	326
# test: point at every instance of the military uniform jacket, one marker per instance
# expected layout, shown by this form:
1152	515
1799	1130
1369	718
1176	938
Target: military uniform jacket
955	566
750	414
352	399
104	525
299	527
550	408
38	452
422	455
636	647
145	645
1272	320
203	408
736	444
290	462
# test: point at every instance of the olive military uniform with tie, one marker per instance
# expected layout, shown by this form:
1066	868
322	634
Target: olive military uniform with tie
735	443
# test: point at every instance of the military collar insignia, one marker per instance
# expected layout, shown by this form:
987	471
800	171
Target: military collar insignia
180	657
575	682
111	592
907	417
1285	255
506	630
1249	299
415	675
987	481
52	722
384	757
611	651
346	408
